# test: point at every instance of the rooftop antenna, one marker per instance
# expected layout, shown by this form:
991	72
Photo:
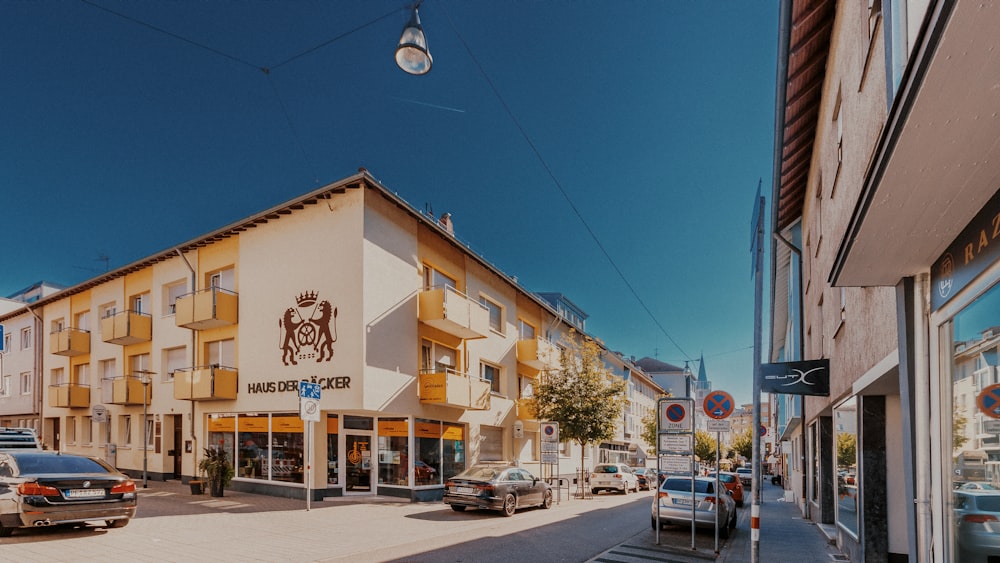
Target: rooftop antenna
102	257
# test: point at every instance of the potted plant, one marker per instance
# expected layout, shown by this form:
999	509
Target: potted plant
217	469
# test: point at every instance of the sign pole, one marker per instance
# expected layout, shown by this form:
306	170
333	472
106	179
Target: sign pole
758	259
309	410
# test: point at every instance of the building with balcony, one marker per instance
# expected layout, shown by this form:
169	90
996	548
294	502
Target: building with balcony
885	206
425	354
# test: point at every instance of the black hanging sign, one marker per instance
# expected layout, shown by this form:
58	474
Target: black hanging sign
808	377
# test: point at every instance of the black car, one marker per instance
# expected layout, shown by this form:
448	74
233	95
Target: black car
496	488
644	476
42	488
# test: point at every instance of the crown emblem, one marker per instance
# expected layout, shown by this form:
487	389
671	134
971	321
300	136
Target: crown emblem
306	299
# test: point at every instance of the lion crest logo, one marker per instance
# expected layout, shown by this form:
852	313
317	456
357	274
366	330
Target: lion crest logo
308	330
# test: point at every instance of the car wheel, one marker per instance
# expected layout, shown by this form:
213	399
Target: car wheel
117	523
458	508
547	499
509	505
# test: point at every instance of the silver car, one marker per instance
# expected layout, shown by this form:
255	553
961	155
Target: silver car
977	523
674	501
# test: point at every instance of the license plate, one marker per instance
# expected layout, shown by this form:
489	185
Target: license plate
684	501
465	490
84	493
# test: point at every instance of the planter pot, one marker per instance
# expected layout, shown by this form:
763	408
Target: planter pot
197	487
217	488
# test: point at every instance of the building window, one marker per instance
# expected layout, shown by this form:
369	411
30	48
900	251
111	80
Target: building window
496	314
6	343
393	451
525	331
845	442
170	293
58	325
140	304
434	278
81	374
221	353
87	430
874	13
26	338
149	432
5	386
26	383
437	358
173	360
332	449
125	430
70	433
83	320
269	447
491	373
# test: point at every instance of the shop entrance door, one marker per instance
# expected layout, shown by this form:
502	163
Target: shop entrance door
358	447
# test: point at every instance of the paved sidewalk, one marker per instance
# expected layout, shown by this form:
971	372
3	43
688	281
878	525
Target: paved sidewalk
784	536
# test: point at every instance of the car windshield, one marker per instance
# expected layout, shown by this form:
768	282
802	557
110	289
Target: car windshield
480	473
607	469
47	464
685	485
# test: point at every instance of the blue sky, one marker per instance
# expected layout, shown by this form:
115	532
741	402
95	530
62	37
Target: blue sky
651	121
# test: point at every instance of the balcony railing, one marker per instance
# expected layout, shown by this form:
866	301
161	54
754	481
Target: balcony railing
69	395
70	342
454	389
451	311
208	308
128	390
538	353
127	327
205	383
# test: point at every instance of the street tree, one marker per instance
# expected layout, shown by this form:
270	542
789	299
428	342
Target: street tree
649	424
704	446
742	444
583	396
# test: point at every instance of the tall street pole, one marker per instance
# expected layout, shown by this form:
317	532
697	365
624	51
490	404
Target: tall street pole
757	248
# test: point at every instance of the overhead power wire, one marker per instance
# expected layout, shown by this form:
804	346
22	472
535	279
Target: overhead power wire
559	186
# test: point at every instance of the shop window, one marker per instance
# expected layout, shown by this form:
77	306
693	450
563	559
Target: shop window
393	451
973	339
846	458
332	445
357	422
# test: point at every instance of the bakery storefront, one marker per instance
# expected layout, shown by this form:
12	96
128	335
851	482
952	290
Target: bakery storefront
965	301
355	454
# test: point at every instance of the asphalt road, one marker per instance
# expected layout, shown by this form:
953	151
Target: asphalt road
174	525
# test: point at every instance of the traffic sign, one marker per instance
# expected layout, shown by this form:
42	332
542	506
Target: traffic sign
763	430
309	401
675	463
989	401
675	443
719	405
675	415
309	390
550	431
719	426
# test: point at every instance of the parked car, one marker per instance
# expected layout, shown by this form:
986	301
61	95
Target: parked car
978	486
746	475
613	477
644	477
977	524
41	488
423	471
18	439
496	488
732	483
710	507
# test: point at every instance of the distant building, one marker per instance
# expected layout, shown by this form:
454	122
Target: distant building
676	381
36	291
567	310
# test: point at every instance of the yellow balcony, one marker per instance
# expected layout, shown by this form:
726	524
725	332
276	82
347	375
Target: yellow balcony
208	308
127	327
69	395
128	390
207	383
454	389
525	410
447	309
70	342
538	353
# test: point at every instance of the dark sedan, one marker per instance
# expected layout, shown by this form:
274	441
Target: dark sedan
496	488
41	488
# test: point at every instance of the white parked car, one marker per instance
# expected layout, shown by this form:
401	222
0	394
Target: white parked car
613	477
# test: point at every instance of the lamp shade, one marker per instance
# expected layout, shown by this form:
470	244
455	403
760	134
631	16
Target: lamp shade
411	54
